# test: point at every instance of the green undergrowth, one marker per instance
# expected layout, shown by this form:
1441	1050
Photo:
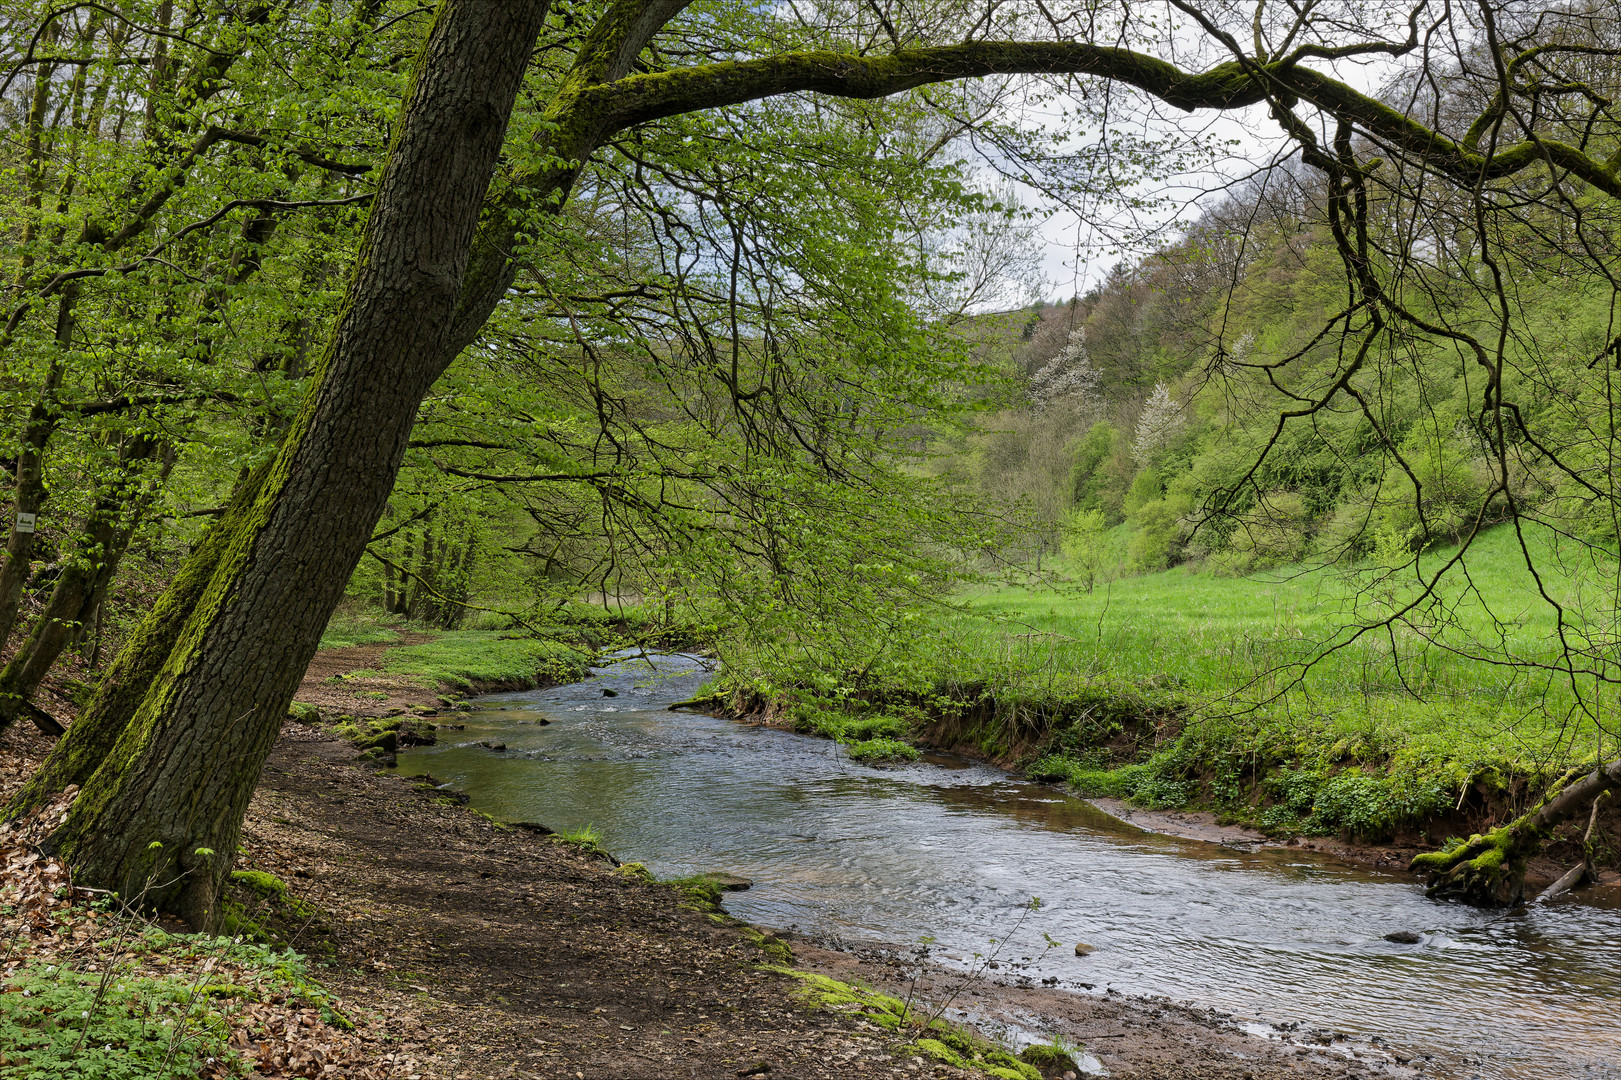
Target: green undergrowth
124	1017
467	658
934	1038
876	750
868	735
346	630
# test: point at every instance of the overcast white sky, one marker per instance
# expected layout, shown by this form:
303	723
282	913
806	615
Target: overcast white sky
1075	257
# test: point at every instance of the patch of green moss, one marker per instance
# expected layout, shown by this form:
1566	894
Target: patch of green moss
698	893
269	896
1049	1058
773	946
266	885
940	1052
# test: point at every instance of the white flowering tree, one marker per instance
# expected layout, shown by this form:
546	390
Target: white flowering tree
1068	377
1160	419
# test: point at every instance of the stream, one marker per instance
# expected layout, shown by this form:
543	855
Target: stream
954	851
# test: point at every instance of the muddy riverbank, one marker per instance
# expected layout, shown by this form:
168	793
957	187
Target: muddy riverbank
506	941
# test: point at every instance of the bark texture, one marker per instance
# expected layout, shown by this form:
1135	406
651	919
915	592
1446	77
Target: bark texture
180	773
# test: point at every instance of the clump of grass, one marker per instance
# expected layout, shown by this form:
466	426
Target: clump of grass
587	839
463	658
876	750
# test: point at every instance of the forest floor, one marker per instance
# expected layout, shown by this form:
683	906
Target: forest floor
468	949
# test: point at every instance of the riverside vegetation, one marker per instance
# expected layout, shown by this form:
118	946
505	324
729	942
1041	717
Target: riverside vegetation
712	334
1213	695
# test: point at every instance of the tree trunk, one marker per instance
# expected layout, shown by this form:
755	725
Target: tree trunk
181	772
1489	870
42	419
388	581
81	585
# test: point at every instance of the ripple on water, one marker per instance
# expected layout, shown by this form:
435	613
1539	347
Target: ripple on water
954	851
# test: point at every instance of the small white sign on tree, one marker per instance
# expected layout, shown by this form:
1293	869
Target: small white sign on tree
25	522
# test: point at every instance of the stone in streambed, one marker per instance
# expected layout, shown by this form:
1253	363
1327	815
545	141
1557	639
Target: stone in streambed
610	693
723	881
1404	937
386	741
1082	948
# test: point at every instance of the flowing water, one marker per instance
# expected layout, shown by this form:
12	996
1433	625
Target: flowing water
954	851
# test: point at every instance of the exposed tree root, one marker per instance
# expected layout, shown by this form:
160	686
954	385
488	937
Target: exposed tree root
1582	871
1489	870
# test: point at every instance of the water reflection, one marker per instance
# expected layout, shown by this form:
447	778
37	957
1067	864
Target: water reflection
954	851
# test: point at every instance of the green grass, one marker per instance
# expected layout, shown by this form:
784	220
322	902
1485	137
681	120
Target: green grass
347	630
462	658
875	750
1235	644
1187	688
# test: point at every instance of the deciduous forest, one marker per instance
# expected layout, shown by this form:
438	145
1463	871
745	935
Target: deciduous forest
473	345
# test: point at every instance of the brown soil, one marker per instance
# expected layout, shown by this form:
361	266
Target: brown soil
330	685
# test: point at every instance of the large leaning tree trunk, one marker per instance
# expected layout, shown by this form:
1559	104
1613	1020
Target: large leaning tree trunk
118	696
1489	870
182	770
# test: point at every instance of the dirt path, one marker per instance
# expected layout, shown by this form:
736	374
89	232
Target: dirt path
332	685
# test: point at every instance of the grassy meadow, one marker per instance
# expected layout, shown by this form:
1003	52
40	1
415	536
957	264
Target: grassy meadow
1255	696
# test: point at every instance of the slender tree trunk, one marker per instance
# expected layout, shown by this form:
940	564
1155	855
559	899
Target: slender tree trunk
181	772
79	589
388	579
91	737
406	584
42	420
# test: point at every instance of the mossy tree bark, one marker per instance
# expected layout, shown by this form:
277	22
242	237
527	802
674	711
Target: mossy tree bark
1489	870
181	771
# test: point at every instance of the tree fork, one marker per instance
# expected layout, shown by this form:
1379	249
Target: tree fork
1489	870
